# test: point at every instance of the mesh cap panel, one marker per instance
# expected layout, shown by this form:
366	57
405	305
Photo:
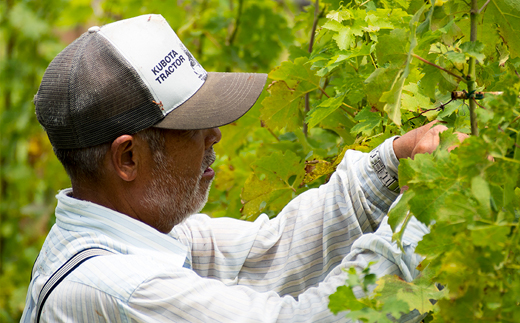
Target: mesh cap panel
90	95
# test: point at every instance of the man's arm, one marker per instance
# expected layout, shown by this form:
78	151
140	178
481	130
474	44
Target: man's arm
168	294
298	248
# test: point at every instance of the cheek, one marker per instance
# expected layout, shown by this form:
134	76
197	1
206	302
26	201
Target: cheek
187	164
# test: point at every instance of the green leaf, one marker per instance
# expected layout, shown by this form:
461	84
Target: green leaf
392	98
378	82
324	109
282	108
294	73
275	176
344	38
493	236
398	213
480	190
392	48
283	165
368	121
473	49
368	314
506	14
344	299
416	296
433	245
413	100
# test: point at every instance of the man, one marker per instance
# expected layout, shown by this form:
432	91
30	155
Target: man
133	123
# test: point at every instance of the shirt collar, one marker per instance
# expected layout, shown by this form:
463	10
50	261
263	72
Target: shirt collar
83	216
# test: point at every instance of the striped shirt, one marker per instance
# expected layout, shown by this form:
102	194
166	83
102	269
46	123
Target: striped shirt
222	269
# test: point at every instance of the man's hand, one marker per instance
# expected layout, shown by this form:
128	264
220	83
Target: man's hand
421	140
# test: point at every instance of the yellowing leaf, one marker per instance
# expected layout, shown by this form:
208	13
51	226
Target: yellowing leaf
275	177
506	14
417	296
281	109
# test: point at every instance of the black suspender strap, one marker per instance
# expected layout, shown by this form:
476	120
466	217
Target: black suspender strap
63	271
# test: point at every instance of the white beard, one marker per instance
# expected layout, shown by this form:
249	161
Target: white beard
175	198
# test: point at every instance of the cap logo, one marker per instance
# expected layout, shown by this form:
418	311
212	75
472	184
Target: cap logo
195	65
169	63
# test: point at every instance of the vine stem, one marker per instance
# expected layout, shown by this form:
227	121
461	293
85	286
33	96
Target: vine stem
237	22
472	69
311	42
439	67
484	6
342	103
263	125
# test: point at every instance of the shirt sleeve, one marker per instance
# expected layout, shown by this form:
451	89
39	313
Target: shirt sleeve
166	294
180	295
311	236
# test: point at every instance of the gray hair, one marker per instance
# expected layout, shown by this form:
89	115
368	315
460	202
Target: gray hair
87	163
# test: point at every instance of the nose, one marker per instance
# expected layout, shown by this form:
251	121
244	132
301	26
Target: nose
213	136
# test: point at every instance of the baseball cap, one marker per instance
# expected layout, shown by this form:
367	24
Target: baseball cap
130	75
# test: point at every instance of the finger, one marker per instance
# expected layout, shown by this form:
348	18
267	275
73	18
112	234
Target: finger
429	141
404	146
461	136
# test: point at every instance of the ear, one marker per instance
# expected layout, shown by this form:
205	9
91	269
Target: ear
124	157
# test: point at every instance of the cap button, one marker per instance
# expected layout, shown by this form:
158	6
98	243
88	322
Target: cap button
93	29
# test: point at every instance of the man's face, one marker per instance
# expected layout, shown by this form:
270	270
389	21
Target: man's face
180	176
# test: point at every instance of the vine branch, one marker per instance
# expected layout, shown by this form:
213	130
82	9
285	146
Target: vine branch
237	23
263	125
439	67
311	42
483	7
342	103
472	69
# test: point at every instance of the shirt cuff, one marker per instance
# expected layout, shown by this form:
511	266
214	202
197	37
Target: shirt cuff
385	164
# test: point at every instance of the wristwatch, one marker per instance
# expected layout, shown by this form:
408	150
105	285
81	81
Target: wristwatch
388	180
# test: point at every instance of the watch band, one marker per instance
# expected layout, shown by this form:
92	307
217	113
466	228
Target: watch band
384	176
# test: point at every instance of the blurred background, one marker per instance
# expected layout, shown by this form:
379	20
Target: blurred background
224	35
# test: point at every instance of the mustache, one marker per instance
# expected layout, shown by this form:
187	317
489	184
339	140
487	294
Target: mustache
209	158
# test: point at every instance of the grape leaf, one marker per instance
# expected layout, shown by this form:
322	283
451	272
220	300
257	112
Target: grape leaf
368	121
506	14
281	109
324	109
392	98
292	81
473	49
275	176
417	296
295	73
342	299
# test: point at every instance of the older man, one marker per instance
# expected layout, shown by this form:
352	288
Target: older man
133	118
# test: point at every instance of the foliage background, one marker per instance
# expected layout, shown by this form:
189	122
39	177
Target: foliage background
340	76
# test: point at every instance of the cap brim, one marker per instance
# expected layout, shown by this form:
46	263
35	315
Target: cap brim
222	99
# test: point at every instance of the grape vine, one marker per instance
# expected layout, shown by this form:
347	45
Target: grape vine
363	58
363	86
349	74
